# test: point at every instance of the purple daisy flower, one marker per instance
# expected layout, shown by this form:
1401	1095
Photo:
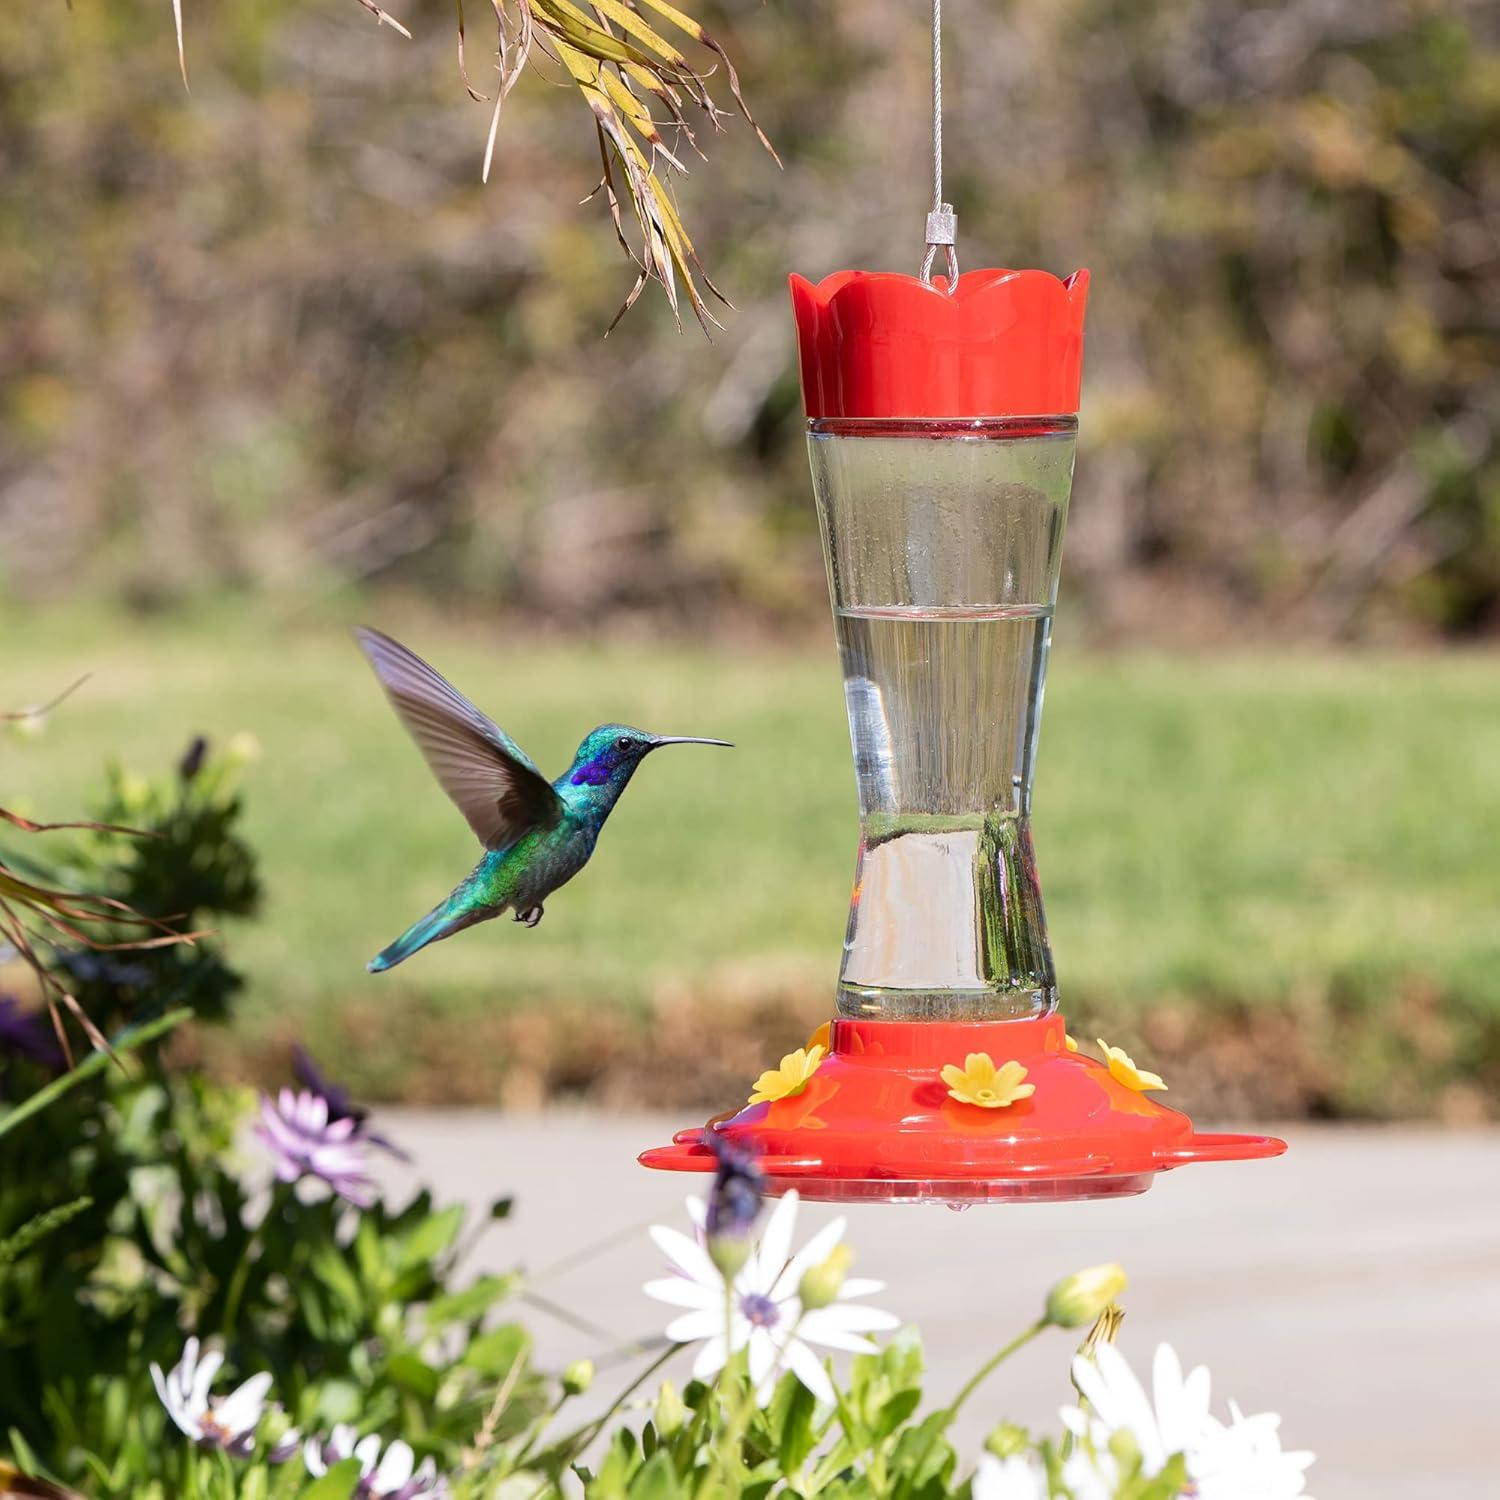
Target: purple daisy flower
226	1422
311	1077
305	1142
340	1107
390	1475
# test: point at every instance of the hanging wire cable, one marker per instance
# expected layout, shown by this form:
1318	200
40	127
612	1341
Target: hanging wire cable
937	106
942	222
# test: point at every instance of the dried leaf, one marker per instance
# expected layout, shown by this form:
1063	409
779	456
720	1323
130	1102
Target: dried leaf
41	710
463	67
181	51
382	18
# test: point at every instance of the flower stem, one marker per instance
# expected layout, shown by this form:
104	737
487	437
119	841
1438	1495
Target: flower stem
970	1386
576	1441
719	1475
236	1292
990	1366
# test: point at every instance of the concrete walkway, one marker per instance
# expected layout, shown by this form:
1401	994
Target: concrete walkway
1353	1286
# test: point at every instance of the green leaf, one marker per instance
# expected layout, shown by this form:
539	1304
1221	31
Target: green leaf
339	1400
896	1411
470	1303
494	1353
791	1418
332	1269
25	1458
901	1359
368	1253
620	1463
413	1374
337	1484
128	1040
922	1453
655	1480
432	1236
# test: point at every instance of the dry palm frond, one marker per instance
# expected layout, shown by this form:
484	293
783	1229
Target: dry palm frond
383	18
620	56
622	60
32	912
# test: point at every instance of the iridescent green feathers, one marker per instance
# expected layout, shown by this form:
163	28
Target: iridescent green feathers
537	834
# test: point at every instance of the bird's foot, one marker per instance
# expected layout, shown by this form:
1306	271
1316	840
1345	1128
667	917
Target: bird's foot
530	916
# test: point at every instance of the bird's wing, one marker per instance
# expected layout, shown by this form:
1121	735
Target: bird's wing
490	778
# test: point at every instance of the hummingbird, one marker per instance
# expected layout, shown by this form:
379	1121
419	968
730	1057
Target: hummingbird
537	834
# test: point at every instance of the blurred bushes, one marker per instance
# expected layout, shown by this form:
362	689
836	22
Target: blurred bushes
275	337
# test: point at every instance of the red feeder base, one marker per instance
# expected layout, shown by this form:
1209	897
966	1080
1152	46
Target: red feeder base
876	1123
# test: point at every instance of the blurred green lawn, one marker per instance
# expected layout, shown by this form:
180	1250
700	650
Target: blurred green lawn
1225	830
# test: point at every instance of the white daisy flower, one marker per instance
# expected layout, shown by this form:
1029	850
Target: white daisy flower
1091	1476
1243	1460
392	1475
226	1422
1173	1420
1239	1460
764	1314
1018	1477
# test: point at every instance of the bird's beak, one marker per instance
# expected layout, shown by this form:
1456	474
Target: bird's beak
686	739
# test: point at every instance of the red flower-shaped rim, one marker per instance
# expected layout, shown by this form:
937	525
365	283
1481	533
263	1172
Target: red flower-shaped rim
876	344
876	1122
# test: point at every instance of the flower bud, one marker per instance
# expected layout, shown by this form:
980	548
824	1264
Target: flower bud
1081	1297
193	758
670	1411
242	749
734	1204
821	1284
578	1377
133	791
1007	1441
729	1253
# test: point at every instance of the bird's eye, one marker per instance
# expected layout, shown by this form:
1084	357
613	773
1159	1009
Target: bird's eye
624	743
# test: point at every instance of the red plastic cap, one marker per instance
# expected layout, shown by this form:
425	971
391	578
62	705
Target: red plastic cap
880	344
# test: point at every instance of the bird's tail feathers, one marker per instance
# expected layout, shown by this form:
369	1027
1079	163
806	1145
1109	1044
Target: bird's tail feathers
441	922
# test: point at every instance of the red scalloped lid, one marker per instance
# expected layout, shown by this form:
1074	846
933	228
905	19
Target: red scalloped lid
880	344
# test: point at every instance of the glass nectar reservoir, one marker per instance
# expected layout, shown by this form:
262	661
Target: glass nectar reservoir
943	541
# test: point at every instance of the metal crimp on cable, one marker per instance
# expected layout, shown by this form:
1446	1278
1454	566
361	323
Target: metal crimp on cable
942	233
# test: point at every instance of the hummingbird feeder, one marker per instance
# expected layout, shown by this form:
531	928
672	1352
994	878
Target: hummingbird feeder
941	421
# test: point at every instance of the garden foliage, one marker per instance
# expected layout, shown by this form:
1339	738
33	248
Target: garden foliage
178	1319
129	1213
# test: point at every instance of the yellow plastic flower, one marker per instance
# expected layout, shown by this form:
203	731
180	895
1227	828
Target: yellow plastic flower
789	1077
822	1037
980	1082
1070	1042
1123	1070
